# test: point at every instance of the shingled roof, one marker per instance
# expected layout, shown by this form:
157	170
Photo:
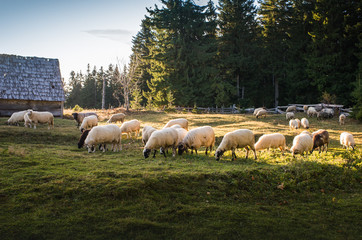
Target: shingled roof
30	78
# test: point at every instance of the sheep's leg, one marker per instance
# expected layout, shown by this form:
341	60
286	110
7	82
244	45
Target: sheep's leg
173	151
195	151
154	154
233	155
247	152
164	153
327	148
206	151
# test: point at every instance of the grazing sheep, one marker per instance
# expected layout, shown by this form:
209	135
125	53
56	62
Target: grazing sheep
302	143
342	119
41	117
347	140
82	138
88	123
312	112
260	113
197	137
305	123
27	121
17	117
164	138
146	133
241	138
131	126
78	117
105	134
298	122
289	115
257	110
274	140
305	108
180	121
325	113
116	118
322	115
321	139
293	124
292	109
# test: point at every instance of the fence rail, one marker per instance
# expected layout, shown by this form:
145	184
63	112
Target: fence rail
279	110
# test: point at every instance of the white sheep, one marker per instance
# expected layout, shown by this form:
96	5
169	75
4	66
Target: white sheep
41	117
257	110
302	143
292	108
119	117
347	140
196	138
305	123
164	138
146	133
342	119
17	117
274	140
293	124
88	123
298	122
305	108
27	121
180	121
312	112
260	113
105	134
131	126
289	115
241	138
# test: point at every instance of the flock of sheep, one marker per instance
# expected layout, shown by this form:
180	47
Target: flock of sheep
175	135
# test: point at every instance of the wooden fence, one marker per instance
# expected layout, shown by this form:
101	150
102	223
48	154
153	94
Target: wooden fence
279	110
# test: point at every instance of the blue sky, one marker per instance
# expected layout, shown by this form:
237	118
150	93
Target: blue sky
76	32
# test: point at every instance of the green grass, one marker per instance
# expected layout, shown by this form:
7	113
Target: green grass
49	189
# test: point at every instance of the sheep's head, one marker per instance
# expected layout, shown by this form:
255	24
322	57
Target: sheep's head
82	138
218	154
181	148
75	116
146	152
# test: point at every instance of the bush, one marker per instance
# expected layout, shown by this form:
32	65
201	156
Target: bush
77	108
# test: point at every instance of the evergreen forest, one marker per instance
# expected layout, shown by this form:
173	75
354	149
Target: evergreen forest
266	53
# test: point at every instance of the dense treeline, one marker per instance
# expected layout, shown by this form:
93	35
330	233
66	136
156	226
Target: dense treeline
273	53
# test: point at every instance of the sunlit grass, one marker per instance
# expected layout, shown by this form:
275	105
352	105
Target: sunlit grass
50	189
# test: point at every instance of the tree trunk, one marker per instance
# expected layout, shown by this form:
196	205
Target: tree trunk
238	86
104	93
276	91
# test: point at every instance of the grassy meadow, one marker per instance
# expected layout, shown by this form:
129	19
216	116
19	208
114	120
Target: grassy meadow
50	189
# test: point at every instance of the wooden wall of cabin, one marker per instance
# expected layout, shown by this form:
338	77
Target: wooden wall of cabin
8	107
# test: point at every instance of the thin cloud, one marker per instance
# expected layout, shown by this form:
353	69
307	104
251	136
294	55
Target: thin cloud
118	35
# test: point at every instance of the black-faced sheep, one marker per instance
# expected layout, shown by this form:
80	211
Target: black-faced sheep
241	138
196	138
78	117
321	139
164	138
347	140
180	121
105	134
119	117
41	117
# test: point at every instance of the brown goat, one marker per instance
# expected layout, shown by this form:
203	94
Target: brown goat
321	139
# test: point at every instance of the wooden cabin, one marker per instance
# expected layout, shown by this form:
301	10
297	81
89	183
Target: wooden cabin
30	83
